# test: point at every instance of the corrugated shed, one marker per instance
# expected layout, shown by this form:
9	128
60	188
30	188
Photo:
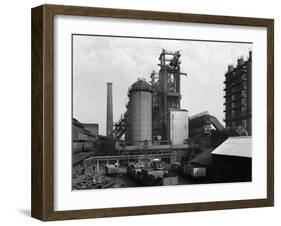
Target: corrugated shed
236	146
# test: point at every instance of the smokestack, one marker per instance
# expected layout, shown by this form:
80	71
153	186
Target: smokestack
109	110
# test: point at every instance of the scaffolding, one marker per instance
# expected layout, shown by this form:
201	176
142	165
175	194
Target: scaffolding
166	91
120	127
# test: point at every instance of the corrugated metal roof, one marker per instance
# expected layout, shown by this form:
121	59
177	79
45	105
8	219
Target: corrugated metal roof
236	146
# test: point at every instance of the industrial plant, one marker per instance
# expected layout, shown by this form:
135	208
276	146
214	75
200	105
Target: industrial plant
157	143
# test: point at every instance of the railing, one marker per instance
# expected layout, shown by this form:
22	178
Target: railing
143	143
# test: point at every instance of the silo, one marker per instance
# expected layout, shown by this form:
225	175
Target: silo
140	112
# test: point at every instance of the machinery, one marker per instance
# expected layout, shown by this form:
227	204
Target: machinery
203	123
153	173
153	113
166	96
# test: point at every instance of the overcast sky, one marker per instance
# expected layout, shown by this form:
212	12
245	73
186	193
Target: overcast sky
98	60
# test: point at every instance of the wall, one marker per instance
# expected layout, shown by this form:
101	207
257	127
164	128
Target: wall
227	168
15	112
178	124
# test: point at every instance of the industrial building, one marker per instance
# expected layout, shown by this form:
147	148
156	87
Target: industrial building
229	162
232	161
154	107
82	139
203	163
238	94
167	94
156	142
83	145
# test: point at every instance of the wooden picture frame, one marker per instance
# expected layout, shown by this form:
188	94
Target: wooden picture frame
42	204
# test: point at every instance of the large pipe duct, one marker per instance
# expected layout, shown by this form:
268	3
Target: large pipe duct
109	110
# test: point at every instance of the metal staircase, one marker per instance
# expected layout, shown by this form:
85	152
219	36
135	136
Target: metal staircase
120	127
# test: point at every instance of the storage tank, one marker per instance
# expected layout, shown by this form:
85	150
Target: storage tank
140	113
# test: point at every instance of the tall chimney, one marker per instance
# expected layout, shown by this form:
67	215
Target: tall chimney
109	112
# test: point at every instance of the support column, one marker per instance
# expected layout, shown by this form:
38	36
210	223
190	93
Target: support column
98	166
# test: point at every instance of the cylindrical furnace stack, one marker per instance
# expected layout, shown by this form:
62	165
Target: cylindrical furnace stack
140	113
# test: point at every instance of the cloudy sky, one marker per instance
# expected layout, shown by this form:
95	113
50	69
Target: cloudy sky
98	60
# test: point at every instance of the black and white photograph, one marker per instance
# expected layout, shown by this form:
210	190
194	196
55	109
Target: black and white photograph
157	111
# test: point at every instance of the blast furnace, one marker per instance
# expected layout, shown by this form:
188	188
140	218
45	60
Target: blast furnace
140	112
